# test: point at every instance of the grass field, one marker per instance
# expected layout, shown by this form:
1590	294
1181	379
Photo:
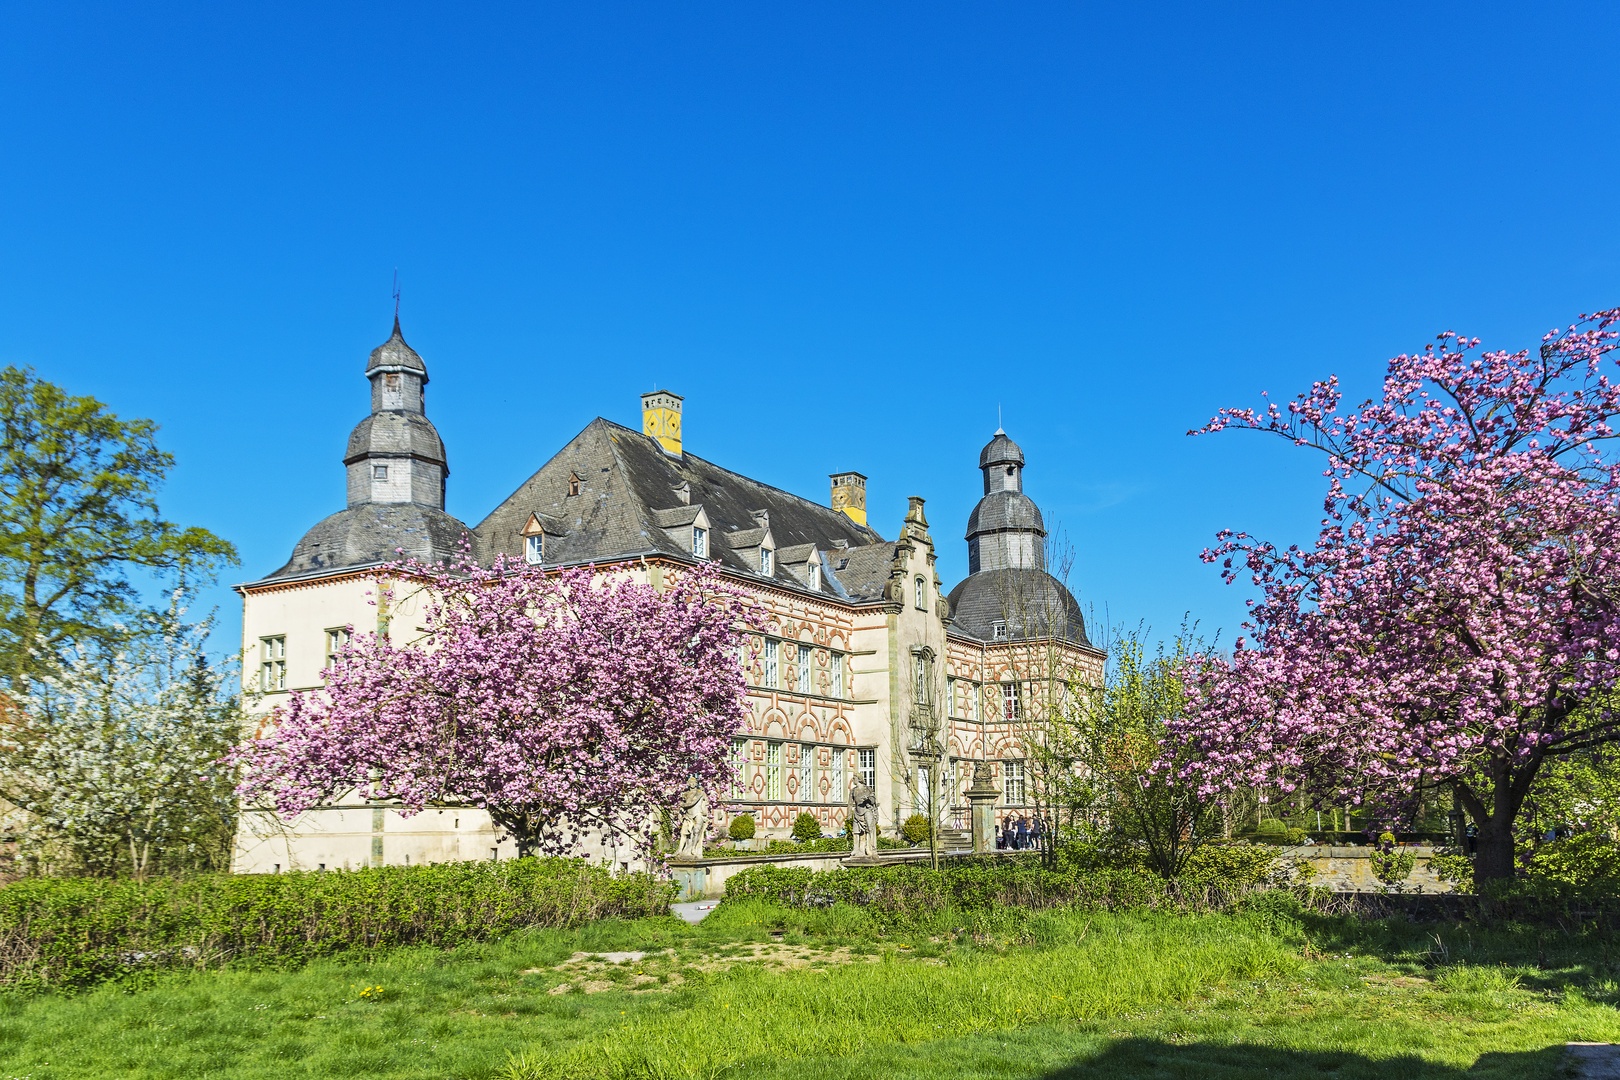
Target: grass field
1050	995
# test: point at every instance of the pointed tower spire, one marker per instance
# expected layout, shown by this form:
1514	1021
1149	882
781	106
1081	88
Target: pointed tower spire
395	455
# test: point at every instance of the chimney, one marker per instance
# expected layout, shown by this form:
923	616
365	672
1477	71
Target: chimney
849	495
661	419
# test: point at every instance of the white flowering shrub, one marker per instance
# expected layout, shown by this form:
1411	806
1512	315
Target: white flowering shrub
113	762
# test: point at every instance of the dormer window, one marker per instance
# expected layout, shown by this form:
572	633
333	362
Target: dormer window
815	575
700	542
573	485
922	595
998	631
765	554
534	549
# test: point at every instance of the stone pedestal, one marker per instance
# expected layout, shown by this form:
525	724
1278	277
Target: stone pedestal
982	815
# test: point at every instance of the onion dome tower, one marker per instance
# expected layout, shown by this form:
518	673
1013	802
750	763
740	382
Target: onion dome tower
1008	594
396	472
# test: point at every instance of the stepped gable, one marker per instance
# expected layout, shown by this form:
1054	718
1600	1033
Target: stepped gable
637	499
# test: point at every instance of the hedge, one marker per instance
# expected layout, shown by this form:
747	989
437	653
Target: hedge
70	932
900	892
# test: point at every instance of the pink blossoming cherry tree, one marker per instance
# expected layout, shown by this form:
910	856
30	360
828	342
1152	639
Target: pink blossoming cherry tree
560	703
1457	622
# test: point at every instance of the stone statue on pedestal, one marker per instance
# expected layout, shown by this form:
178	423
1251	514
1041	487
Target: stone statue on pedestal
981	798
694	822
863	821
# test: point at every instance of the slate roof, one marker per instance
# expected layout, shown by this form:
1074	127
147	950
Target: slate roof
863	571
1002	511
373	533
678	516
1000	450
396	432
628	488
1032	603
395	353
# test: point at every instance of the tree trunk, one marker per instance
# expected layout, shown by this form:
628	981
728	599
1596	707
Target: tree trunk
1508	786
1494	861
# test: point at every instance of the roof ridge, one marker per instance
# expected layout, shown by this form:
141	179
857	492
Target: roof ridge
732	472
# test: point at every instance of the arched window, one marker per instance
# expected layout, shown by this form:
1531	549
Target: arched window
922	595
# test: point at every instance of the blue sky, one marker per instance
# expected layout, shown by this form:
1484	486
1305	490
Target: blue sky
845	232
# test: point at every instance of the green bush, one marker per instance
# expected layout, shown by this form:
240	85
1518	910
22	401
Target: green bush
1294	836
1455	868
1271	827
1232	866
69	932
915	829
908	892
806	828
1588	858
1389	864
742	827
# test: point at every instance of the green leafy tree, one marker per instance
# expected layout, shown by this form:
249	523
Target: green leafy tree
78	512
1124	770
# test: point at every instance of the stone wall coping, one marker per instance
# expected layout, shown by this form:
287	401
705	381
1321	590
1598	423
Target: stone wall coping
886	855
1326	851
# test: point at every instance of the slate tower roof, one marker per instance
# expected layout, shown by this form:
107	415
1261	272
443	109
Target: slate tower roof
1008	594
396	470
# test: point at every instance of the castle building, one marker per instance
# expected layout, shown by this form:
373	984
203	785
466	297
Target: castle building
864	668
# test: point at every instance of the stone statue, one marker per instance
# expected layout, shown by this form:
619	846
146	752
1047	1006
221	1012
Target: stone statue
694	822
863	821
984	776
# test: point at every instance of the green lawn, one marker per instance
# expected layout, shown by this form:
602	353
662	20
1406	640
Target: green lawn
1051	995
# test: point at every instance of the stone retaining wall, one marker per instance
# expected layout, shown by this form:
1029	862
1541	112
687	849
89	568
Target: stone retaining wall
1341	869
1349	869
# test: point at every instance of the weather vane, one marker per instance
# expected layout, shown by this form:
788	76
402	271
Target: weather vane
396	294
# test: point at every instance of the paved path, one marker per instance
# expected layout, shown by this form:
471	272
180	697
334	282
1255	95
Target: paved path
695	911
1595	1061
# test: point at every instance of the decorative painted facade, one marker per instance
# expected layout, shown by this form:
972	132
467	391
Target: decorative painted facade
864	668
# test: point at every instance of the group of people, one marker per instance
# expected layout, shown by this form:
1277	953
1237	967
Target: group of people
1019	833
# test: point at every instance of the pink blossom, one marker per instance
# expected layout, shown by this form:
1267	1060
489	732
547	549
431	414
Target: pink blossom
558	702
1458	619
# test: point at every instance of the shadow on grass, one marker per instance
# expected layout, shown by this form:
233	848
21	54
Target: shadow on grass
1149	1058
1053	1053
1552	957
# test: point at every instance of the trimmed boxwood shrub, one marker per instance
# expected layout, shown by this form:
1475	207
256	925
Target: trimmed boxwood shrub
742	827
806	828
69	932
915	829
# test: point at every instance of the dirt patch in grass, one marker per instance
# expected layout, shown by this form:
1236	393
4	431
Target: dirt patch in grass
662	972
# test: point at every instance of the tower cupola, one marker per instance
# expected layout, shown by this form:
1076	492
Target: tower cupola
1008	594
1002	463
1005	530
395	455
